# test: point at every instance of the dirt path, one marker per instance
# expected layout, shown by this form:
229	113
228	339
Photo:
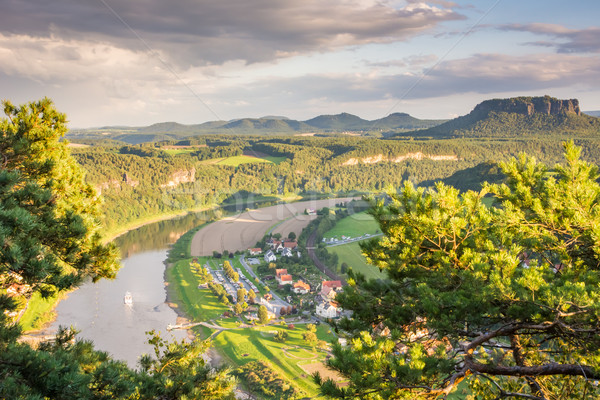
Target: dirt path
242	231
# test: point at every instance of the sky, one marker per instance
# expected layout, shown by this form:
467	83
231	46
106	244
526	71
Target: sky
139	62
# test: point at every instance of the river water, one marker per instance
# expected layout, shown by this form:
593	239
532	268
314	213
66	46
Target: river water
98	311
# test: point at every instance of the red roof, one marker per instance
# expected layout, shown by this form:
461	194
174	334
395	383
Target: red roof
302	285
279	272
285	278
291	244
332	284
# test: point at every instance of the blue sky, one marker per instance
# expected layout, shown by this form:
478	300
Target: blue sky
108	62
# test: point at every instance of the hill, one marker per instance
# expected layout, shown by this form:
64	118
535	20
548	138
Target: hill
271	125
517	117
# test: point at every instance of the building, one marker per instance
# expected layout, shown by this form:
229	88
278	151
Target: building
285	280
329	289
328	309
255	251
287	252
301	287
270	256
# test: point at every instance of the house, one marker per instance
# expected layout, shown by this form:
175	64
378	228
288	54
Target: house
290	244
310	211
280	271
285	280
301	287
255	251
329	289
270	256
273	243
328	309
287	252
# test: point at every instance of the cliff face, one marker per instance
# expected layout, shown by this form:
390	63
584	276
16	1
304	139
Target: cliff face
180	176
530	105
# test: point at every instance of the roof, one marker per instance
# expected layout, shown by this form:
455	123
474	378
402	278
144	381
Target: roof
332	284
279	272
290	244
256	249
286	278
302	285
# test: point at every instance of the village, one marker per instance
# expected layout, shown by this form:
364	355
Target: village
298	289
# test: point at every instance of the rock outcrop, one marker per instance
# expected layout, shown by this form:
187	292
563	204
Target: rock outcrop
530	105
396	159
180	176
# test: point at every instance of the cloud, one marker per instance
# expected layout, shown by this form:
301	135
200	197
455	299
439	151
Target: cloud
575	40
481	73
199	32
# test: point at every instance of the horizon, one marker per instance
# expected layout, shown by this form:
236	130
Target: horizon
113	65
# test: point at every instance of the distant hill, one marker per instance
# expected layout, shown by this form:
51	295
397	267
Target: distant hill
592	113
338	122
516	117
271	125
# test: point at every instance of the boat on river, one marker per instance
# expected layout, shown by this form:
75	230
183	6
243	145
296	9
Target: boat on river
128	299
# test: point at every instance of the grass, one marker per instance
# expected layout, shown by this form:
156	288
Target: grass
245	345
354	226
39	312
199	304
351	254
237	160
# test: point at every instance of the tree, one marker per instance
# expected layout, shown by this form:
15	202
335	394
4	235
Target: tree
251	296
263	315
281	336
238	308
310	335
241	294
292	236
49	231
504	296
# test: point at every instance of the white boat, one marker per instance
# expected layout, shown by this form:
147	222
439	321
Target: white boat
128	299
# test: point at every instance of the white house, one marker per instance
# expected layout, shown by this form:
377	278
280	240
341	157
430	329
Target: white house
270	256
328	309
301	287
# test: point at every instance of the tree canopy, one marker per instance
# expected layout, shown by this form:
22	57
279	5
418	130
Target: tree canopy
50	242
501	297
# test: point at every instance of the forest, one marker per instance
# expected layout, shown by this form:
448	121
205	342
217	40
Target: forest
145	180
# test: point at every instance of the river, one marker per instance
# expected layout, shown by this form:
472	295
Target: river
98	311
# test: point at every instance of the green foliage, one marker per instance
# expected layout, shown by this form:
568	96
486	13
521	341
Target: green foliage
263	381
179	371
49	222
502	297
281	336
263	315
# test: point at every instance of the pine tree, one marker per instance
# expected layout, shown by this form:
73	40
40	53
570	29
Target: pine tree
504	297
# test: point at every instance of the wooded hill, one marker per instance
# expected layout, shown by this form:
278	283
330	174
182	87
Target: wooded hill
323	124
138	181
516	117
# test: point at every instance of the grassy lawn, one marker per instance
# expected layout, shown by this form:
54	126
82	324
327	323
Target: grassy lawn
245	345
198	304
39	312
354	226
237	160
350	254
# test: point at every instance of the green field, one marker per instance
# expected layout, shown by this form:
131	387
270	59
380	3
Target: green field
354	225
351	255
244	345
198	304
237	160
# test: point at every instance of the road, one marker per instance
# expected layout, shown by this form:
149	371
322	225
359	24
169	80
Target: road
276	301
